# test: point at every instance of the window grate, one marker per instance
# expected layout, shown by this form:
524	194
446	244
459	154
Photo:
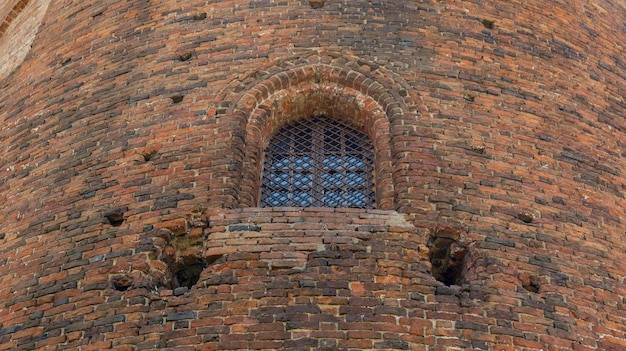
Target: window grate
318	162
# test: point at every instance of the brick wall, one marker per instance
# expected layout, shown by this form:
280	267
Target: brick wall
131	141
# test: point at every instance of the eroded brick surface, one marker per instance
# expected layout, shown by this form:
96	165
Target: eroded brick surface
501	122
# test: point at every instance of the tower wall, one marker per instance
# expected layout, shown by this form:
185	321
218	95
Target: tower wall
132	136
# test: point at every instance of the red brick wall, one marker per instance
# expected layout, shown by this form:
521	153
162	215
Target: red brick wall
131	140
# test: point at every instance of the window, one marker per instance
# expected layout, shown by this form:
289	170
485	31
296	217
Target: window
318	162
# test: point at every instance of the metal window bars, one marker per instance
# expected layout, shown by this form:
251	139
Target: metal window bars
318	162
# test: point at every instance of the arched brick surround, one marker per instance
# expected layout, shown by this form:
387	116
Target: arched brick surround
19	23
318	89
9	10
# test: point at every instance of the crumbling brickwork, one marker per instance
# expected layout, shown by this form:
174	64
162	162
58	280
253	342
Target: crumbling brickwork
132	141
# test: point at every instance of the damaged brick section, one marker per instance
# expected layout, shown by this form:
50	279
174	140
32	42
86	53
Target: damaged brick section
115	216
317	4
530	282
447	255
177	260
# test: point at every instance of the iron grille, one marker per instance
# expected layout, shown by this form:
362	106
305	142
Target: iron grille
318	162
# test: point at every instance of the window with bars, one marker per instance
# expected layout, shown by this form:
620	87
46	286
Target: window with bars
318	162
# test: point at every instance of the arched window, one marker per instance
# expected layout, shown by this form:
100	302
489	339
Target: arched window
318	162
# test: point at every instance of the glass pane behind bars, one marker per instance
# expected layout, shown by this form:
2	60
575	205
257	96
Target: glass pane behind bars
318	162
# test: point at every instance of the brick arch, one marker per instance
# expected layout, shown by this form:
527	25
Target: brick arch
312	90
394	84
12	13
19	24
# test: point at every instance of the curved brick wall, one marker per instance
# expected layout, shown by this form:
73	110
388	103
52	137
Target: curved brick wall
314	278
131	139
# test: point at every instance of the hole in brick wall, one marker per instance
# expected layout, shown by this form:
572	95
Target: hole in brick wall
148	155
316	4
525	217
121	282
199	16
532	287
188	270
489	24
480	149
185	57
447	256
177	98
115	216
469	98
530	282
